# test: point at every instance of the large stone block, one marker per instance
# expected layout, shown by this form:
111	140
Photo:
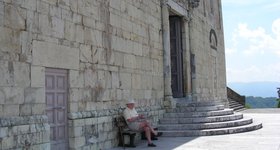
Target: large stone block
129	61
52	2
42	7
74	5
70	31
44	24
25	109
34	95
64	3
21	74
29	4
7	142
76	79
1	19
57	56
90	77
11	95
75	132
11	110
37	76
77	142
51	26
57	26
80	34
14	17
75	94
136	81
115	80
125	81
93	37
25	41
6	74
9	40
85	53
77	18
38	109
67	14
55	11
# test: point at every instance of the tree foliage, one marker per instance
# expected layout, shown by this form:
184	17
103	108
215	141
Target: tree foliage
260	102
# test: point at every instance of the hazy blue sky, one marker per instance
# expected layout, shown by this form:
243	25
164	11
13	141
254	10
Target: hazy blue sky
252	40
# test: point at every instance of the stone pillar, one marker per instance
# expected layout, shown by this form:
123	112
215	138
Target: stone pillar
166	55
187	62
192	51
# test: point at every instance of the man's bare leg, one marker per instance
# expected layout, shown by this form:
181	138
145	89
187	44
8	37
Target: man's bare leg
148	134
146	123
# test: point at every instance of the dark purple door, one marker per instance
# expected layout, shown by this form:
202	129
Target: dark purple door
176	54
56	83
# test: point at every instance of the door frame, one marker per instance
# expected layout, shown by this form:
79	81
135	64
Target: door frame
64	73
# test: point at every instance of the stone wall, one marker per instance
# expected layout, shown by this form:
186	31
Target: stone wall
210	76
112	50
31	132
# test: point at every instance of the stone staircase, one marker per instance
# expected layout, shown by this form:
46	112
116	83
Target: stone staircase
202	119
236	106
236	101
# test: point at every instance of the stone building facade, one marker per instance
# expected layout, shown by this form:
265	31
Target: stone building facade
67	67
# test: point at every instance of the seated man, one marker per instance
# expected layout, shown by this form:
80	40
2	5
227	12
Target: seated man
137	122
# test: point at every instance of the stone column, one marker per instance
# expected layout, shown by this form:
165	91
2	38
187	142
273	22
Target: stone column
187	62
166	55
192	51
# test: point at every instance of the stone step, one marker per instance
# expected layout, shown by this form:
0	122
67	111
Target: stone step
226	111
233	101
237	107
176	120
200	126
196	109
208	132
196	104
240	110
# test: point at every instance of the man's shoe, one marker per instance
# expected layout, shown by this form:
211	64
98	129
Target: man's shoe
151	145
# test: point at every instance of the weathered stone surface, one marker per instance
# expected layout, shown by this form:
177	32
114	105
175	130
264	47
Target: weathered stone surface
29	4
9	40
11	95
38	109
21	74
76	79
14	17
57	56
70	31
125	80
34	95
37	76
25	109
112	51
42	7
85	53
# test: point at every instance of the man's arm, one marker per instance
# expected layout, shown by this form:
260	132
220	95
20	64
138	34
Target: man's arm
132	119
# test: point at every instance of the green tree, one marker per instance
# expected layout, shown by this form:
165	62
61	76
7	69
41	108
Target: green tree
278	102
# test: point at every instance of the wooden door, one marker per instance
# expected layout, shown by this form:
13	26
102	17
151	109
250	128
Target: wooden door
176	54
56	85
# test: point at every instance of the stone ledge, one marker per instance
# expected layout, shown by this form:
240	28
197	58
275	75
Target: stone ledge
108	112
24	120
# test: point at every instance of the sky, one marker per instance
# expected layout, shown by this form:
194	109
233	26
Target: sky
252	40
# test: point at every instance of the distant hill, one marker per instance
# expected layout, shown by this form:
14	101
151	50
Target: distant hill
256	89
259	102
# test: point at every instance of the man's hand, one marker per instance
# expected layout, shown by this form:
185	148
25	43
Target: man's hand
141	116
